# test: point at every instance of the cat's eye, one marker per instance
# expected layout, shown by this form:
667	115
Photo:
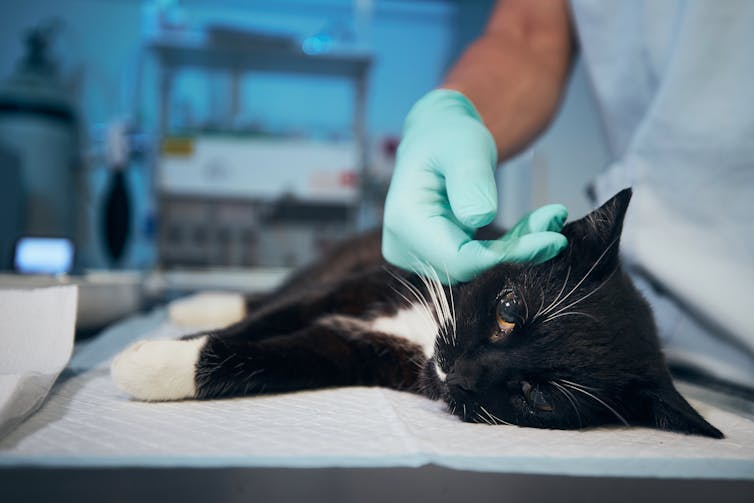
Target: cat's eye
507	314
534	397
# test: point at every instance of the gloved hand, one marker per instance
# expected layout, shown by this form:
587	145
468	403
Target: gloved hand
443	188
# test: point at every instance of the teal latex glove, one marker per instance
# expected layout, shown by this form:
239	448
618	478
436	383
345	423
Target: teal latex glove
443	189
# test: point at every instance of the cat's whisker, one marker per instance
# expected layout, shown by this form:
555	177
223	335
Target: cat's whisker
541	304
557	297
487	413
500	421
583	386
452	305
416	293
493	417
254	374
434	287
455	331
483	419
596	262
422	302
437	309
571	398
586	296
439	315
408	301
569	313
449	308
411	288
596	398
542	293
438	292
453	406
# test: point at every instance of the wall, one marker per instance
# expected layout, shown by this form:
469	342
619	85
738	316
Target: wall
102	40
100	47
414	43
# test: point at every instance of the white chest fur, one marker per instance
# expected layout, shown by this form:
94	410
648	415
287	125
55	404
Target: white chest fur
413	323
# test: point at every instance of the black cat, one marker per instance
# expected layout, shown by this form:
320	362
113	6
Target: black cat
569	343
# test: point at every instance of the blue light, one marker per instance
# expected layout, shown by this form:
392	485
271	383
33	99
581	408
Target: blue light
44	255
316	44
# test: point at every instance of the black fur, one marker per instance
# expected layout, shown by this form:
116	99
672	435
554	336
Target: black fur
584	350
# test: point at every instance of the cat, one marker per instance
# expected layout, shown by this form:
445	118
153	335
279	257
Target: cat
566	344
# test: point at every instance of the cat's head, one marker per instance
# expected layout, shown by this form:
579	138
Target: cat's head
569	343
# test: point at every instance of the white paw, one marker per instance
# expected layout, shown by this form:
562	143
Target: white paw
207	310
158	370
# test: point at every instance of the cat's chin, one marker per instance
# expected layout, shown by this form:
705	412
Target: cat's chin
158	370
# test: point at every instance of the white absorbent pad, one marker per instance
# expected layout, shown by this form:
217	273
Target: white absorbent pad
88	422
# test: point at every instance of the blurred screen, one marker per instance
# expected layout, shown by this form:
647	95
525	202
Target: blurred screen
44	255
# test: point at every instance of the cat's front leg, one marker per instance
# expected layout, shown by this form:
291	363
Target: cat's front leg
334	351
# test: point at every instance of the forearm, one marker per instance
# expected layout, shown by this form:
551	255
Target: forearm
515	74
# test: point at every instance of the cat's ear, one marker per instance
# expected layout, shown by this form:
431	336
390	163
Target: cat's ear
666	409
594	239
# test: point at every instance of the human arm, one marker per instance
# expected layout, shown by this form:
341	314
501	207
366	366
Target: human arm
515	73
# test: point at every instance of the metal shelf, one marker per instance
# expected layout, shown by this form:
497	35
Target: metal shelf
174	54
247	57
242	54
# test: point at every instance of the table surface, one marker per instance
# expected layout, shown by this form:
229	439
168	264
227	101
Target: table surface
88	422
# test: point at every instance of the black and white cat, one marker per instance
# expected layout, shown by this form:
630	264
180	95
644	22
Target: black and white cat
567	344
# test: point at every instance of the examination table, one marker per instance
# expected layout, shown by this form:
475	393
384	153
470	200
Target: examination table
90	442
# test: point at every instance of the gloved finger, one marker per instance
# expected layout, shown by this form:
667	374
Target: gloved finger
434	243
472	192
550	217
473	258
535	247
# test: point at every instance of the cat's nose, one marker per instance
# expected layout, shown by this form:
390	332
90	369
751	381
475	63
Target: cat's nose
458	386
